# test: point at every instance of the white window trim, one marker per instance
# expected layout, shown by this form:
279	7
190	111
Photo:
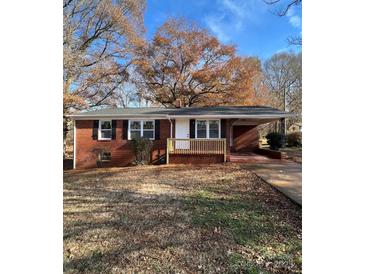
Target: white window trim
207	129
99	130
141	129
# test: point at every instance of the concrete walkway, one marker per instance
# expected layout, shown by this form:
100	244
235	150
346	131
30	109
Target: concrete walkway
286	176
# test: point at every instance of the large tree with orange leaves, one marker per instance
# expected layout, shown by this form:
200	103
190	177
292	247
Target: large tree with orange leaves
185	62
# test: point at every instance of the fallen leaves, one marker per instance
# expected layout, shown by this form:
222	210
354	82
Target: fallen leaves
181	219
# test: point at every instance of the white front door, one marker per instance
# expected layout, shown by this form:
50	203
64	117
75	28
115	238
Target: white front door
182	132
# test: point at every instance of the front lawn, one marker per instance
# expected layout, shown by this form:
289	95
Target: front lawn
182	219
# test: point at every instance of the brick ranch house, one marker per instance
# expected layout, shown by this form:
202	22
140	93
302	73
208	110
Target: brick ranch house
180	135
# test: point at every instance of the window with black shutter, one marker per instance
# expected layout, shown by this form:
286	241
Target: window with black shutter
141	129
105	130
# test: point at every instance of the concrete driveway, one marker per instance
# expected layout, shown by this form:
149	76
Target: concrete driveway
286	176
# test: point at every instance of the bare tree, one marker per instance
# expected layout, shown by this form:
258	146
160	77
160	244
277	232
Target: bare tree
295	40
97	43
284	7
283	77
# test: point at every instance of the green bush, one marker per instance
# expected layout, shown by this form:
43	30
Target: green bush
274	139
142	150
294	139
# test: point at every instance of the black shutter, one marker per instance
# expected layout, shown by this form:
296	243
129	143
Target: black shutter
114	129
157	129
95	129
125	130
192	128
223	128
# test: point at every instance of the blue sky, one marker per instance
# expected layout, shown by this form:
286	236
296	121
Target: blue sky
251	25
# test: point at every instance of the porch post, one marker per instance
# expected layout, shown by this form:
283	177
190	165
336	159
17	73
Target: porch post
225	151
283	131
167	150
228	138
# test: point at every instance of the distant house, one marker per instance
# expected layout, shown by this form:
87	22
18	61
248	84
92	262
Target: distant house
180	135
296	127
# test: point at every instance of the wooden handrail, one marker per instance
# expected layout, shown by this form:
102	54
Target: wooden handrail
196	147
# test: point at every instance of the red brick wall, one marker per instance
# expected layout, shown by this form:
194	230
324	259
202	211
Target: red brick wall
245	138
121	152
195	159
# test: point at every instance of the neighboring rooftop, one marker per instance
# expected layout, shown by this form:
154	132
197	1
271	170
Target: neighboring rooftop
223	111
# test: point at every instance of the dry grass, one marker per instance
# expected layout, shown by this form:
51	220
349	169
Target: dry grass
211	219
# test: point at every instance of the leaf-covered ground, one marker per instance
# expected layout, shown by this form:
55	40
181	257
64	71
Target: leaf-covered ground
182	219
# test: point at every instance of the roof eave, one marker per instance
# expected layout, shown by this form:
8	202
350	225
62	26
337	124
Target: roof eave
111	116
239	116
140	116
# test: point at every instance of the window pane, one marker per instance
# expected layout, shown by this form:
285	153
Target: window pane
106	156
135	124
214	129
147	124
201	129
135	134
201	124
148	134
106	125
106	134
202	134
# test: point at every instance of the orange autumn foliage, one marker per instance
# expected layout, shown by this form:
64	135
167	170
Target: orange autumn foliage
186	62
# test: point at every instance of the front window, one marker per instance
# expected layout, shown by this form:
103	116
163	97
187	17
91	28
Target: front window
207	129
141	128
201	129
105	130
134	129
148	129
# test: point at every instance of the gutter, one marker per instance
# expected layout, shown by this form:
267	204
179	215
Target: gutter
243	116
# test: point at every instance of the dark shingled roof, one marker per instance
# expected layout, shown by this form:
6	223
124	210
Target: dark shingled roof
228	110
186	111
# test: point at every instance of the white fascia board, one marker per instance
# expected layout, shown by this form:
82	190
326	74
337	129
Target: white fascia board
221	116
98	117
245	116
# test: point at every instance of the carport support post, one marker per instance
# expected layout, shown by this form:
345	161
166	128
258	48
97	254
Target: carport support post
225	150
283	131
167	151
